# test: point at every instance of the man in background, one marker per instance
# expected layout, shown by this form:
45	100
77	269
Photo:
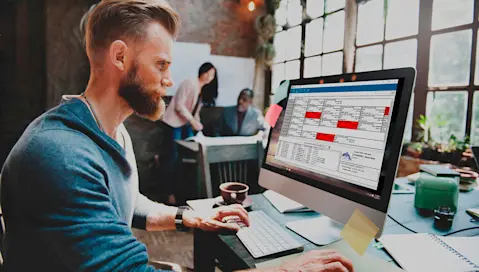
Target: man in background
243	119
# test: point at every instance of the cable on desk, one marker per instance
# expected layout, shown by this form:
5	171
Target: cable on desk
413	231
454	232
400	224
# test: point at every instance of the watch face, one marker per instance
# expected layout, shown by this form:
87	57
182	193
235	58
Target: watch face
180	226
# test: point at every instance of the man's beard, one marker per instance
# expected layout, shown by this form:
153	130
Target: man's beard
146	103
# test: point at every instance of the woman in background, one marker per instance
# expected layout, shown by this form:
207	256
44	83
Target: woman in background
183	117
183	112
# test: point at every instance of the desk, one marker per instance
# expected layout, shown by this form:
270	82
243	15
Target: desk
231	253
218	149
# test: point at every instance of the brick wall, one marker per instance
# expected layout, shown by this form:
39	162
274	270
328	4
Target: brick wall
225	25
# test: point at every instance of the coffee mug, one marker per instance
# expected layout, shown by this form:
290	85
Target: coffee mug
234	192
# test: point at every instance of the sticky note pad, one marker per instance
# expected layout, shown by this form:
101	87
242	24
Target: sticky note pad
359	231
281	93
273	113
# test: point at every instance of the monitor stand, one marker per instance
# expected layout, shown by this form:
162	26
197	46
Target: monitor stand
319	231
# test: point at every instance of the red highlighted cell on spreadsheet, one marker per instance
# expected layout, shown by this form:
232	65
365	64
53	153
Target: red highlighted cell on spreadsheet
313	115
325	137
348	124
386	111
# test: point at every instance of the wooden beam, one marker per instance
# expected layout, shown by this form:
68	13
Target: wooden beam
422	76
350	30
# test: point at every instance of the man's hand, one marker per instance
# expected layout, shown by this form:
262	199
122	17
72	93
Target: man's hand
213	221
197	125
318	261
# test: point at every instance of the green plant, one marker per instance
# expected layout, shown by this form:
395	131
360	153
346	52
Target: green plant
265	27
425	124
455	144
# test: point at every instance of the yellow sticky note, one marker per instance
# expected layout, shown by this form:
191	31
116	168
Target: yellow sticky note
359	231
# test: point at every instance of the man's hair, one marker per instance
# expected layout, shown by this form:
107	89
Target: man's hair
246	92
111	20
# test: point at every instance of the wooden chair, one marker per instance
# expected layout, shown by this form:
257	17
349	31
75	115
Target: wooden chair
221	163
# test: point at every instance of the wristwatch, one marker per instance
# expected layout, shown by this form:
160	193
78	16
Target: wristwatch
180	226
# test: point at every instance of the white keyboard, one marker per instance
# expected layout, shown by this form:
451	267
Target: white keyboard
266	237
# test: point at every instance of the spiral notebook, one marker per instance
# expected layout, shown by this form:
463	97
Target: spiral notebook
428	252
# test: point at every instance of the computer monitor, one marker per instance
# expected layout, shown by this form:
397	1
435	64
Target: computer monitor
336	145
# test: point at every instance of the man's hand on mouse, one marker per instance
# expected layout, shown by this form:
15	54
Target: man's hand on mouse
213	221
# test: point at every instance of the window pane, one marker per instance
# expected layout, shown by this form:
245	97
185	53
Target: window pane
333	64
312	67
293	48
370	22
277	75
450	59
475	120
400	54
333	5
409	121
447	13
292	70
295	12
280	13
334	32
315	8
280	46
397	25
369	58
447	113
314	38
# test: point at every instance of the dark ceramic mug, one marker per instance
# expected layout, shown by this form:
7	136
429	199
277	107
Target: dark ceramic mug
234	192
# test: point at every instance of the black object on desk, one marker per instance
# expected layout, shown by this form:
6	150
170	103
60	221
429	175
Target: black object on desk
231	253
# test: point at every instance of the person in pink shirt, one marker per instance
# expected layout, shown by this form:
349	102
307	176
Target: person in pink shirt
183	112
183	115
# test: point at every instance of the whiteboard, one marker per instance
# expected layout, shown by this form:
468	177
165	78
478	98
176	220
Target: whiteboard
234	74
187	59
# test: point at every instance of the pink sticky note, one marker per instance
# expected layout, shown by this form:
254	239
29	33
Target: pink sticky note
273	113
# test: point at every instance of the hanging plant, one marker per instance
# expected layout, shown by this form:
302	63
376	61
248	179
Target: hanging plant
265	53
265	26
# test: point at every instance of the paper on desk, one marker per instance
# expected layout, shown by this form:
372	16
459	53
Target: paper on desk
364	263
234	140
281	93
273	114
359	231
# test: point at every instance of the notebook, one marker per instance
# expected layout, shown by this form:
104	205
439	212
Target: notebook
428	252
284	204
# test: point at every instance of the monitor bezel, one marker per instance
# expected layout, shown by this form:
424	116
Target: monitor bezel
406	77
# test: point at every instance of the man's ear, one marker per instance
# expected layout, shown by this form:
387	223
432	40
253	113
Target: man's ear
117	54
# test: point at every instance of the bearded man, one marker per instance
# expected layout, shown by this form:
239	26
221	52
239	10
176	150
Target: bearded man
70	184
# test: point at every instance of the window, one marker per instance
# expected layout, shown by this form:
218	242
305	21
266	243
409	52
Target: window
387	42
332	64
450	67
446	13
400	54
287	42
450	57
475	120
320	51
446	110
370	22
369	58
334	32
310	42
396	24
